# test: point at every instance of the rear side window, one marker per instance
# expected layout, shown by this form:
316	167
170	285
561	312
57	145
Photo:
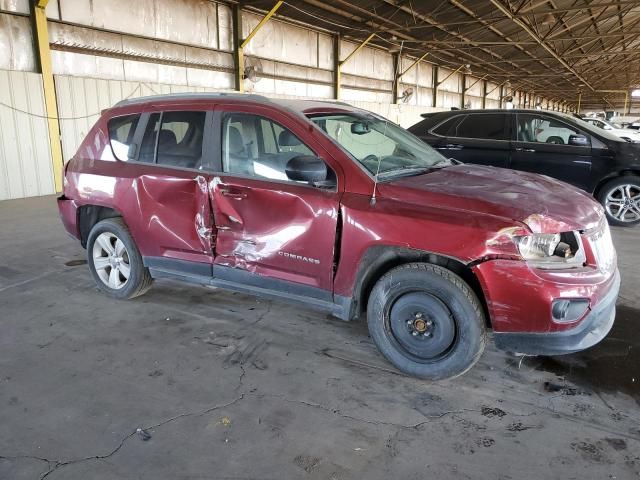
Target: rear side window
174	139
448	128
121	131
489	126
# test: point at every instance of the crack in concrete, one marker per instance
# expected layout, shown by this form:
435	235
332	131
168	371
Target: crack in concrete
263	314
336	411
54	465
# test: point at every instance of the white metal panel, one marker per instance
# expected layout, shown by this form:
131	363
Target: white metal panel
448	100
403	115
451	84
493	91
25	159
53	10
476	89
193	22
225	28
424	96
411	77
425	74
20	6
325	51
368	62
473	102
281	41
16	43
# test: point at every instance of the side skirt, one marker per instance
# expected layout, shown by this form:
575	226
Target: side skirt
237	280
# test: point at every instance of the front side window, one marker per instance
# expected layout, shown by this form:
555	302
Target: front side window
174	139
121	131
489	126
542	129
380	146
259	147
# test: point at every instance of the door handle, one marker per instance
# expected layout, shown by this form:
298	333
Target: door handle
529	150
233	194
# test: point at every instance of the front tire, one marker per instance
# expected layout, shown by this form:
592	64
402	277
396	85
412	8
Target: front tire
115	262
426	321
621	201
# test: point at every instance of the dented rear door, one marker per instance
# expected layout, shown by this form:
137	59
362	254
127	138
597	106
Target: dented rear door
170	185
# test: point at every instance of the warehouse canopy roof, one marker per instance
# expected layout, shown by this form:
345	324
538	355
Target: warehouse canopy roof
552	47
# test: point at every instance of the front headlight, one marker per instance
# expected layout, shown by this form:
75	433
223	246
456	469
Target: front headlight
551	250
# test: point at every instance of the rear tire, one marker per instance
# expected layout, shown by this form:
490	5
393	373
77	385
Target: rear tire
555	140
426	321
621	200
115	262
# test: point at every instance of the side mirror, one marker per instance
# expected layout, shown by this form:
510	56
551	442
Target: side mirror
306	168
579	140
607	127
360	128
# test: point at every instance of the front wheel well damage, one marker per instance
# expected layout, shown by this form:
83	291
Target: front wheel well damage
379	260
89	215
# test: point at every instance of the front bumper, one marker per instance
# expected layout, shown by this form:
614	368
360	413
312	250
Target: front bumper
591	330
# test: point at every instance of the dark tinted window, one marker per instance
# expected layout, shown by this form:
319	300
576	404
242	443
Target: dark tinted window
174	139
448	127
490	126
121	131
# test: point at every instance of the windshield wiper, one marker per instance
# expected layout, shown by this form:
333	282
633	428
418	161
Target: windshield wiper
449	162
407	169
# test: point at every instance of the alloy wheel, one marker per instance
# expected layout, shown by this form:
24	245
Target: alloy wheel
111	260
623	203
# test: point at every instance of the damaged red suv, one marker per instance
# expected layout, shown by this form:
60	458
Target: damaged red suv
340	210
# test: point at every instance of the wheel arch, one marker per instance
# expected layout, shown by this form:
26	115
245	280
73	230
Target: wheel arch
379	260
89	215
628	172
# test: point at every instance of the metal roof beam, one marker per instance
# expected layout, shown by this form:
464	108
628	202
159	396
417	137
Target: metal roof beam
533	35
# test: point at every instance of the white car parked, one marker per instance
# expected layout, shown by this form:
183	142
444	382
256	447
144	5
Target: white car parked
624	133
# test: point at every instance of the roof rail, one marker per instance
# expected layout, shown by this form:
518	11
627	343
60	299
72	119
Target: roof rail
189	96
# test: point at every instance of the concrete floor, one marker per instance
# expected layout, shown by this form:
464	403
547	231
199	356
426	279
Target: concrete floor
229	386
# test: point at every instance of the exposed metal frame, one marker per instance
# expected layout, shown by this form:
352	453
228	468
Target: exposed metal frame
340	63
239	43
43	55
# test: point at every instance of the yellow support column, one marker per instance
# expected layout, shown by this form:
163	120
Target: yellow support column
339	63
239	43
44	58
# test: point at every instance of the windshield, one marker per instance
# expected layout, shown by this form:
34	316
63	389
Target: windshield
380	146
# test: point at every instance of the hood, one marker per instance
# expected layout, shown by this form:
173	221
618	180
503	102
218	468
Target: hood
542	203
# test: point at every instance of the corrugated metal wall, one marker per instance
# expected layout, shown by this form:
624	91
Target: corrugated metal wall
25	160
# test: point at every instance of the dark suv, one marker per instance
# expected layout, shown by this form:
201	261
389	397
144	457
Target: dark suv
337	209
550	143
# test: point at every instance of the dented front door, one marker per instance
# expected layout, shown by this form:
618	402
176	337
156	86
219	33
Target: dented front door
278	230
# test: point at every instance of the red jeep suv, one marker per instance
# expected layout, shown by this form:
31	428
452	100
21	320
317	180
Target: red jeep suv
338	209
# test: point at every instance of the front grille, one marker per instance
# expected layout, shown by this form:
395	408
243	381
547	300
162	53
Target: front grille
602	247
